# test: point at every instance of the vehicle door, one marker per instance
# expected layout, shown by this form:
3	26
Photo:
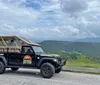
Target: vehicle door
28	56
14	59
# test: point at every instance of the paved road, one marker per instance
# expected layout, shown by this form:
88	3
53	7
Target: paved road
32	77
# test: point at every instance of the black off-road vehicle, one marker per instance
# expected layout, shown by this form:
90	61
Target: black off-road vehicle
17	52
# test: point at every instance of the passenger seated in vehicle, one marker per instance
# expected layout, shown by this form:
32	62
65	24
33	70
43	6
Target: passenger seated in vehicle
11	43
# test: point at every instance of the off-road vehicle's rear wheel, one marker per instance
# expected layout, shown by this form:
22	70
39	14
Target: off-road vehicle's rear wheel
58	70
2	67
14	69
47	70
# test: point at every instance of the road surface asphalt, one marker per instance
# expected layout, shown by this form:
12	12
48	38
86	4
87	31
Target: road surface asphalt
33	77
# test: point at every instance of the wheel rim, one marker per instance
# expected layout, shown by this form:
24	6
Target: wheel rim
46	70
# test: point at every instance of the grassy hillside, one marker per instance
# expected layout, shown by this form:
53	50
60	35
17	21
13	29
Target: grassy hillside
87	48
84	61
79	60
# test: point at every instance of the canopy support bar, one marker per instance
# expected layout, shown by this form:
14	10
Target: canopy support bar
3	41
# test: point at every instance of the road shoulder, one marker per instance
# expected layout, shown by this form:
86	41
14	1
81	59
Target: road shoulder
81	69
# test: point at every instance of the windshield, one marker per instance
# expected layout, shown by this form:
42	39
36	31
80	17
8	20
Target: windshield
38	50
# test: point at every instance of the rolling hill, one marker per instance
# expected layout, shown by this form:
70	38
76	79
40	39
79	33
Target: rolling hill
87	48
90	39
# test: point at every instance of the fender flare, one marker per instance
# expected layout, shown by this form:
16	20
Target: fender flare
43	60
3	59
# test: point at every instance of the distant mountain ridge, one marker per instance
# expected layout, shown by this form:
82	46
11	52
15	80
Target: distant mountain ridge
94	39
87	48
88	39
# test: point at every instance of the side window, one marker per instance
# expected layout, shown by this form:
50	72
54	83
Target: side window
27	50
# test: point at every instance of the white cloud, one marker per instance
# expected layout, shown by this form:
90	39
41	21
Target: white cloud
85	15
39	33
73	7
16	15
51	20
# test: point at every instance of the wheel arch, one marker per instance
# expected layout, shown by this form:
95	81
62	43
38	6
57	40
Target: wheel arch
3	59
46	61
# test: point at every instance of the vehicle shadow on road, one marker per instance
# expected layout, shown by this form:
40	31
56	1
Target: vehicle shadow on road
23	73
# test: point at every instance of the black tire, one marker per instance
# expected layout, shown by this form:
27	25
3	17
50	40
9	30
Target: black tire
2	67
14	69
58	70
47	70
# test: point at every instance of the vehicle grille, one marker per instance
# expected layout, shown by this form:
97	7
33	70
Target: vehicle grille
59	60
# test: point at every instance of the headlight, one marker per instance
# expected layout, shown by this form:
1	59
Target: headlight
55	60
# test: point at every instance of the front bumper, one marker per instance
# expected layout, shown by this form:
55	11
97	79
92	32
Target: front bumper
62	64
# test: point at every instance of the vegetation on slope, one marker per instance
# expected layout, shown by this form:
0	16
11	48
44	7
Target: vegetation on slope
78	59
85	54
87	48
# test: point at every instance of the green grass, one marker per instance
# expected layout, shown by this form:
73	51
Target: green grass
82	64
78	59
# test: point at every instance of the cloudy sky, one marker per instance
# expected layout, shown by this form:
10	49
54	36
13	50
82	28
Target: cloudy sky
50	19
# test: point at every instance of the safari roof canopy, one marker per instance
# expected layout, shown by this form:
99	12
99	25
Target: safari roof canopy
13	43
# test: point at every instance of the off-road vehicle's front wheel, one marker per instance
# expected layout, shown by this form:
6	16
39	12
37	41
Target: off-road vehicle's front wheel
47	70
2	67
14	69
